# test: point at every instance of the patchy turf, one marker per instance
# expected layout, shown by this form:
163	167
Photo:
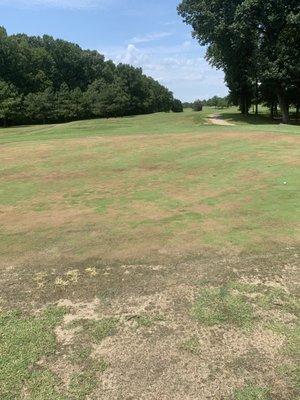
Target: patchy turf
149	257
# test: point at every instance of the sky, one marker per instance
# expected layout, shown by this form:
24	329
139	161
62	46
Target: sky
144	33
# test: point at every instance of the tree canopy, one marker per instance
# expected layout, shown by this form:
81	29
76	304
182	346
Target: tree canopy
177	106
43	79
256	43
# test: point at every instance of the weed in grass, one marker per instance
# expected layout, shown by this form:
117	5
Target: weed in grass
145	321
24	340
91	271
216	306
61	282
191	345
73	275
251	392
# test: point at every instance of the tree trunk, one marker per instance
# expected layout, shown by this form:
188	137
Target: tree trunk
256	96
246	107
284	107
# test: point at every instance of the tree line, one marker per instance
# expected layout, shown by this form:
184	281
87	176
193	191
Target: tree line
43	79
256	43
215	101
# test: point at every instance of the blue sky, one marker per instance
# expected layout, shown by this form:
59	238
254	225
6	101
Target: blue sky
144	33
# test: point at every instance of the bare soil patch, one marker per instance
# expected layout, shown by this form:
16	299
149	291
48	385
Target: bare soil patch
149	356
216	119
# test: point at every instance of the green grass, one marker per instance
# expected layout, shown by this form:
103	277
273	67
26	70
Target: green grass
252	392
96	330
148	179
160	123
83	383
43	385
24	341
217	306
146	124
150	190
146	321
191	345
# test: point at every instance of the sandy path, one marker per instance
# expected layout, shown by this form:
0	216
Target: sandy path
216	119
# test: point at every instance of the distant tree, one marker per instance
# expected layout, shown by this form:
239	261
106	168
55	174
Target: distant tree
10	102
217	102
197	105
64	103
115	101
177	106
186	104
59	81
40	107
108	100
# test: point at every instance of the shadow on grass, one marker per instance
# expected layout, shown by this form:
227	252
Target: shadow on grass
250	119
260	119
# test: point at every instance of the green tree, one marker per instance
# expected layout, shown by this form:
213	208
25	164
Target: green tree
177	106
40	107
10	102
277	27
62	82
213	26
197	105
254	41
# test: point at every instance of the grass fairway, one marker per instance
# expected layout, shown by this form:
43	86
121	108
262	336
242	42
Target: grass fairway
150	257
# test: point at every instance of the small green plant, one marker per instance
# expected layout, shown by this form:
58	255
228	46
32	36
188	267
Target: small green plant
97	330
143	321
251	392
191	345
220	306
146	321
80	354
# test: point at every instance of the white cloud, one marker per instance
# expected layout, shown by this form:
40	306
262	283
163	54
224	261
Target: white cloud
150	37
132	56
179	67
71	4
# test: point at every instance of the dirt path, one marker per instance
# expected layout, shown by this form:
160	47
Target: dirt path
216	119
